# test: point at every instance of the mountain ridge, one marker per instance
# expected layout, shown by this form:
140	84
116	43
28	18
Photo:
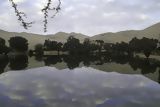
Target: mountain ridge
34	39
149	32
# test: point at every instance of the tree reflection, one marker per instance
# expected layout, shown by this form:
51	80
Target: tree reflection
72	61
145	66
39	58
18	62
52	60
159	77
117	58
3	63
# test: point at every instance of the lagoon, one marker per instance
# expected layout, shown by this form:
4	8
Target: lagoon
79	81
80	87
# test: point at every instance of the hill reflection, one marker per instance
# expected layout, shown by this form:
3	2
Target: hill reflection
108	63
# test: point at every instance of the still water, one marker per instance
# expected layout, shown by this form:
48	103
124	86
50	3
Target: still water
121	64
79	81
81	87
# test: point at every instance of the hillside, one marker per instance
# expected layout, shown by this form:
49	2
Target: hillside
34	39
62	36
150	32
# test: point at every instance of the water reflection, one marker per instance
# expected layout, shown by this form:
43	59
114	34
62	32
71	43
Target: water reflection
82	87
52	60
3	63
18	62
108	63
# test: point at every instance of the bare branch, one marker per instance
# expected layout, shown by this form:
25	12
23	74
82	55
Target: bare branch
46	9
20	16
58	8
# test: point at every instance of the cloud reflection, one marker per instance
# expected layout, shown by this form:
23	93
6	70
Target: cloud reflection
81	87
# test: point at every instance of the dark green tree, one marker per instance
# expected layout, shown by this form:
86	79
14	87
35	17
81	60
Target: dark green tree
100	43
39	49
134	45
50	45
108	47
122	48
144	45
72	45
53	46
86	46
3	48
59	47
148	45
2	41
18	44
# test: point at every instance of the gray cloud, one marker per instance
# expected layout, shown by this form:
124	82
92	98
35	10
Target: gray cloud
89	17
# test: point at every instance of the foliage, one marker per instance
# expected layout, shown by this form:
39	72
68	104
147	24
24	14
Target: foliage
18	43
72	45
39	49
2	41
100	44
144	45
53	46
87	46
108	46
3	48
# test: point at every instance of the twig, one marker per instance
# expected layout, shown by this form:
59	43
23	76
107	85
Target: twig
46	9
20	16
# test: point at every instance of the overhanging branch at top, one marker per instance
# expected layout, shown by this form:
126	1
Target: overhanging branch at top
21	16
45	10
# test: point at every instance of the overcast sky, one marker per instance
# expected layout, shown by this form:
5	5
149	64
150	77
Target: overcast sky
89	17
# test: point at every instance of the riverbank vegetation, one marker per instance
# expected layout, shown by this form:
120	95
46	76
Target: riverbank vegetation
73	46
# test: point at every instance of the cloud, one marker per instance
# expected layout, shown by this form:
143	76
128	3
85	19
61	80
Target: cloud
19	1
89	17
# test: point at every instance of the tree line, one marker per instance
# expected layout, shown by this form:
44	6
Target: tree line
74	46
16	44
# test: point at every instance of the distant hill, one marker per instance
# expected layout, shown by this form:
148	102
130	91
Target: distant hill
62	36
150	32
34	39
